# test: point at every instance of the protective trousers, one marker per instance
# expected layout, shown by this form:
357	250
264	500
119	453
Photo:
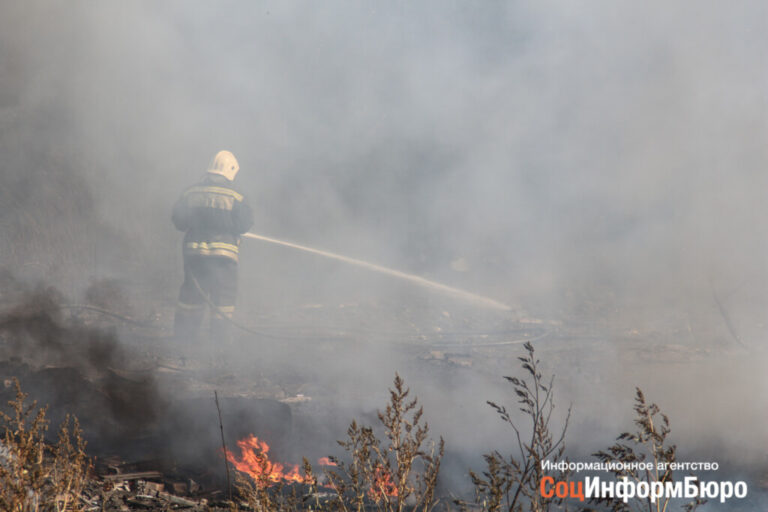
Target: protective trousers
208	281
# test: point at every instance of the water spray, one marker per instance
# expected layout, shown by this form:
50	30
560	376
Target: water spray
420	281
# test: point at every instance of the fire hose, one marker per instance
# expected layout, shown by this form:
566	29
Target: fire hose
123	318
128	320
86	307
215	310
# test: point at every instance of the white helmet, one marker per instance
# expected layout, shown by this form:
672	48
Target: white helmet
225	164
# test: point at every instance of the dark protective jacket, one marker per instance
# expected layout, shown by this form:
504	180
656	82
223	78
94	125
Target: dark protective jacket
214	215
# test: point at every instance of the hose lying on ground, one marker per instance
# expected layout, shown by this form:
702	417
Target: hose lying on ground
255	332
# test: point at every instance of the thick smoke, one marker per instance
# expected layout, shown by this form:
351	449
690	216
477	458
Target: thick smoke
72	364
601	167
546	148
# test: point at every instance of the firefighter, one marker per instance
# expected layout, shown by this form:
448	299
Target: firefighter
213	214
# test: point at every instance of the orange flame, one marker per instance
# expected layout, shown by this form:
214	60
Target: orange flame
382	486
255	462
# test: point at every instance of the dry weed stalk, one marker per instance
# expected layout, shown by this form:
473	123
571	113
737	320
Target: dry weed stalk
647	443
262	495
391	476
513	483
33	475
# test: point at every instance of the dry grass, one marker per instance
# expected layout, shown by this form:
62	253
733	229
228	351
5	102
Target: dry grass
391	467
393	475
263	495
512	482
35	476
647	443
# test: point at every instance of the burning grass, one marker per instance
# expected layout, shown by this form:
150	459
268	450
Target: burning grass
254	462
400	471
393	466
393	474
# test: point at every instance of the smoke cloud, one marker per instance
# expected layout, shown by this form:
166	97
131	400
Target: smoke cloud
600	167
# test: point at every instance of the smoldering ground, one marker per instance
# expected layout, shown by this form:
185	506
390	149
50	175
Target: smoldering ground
57	358
599	167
